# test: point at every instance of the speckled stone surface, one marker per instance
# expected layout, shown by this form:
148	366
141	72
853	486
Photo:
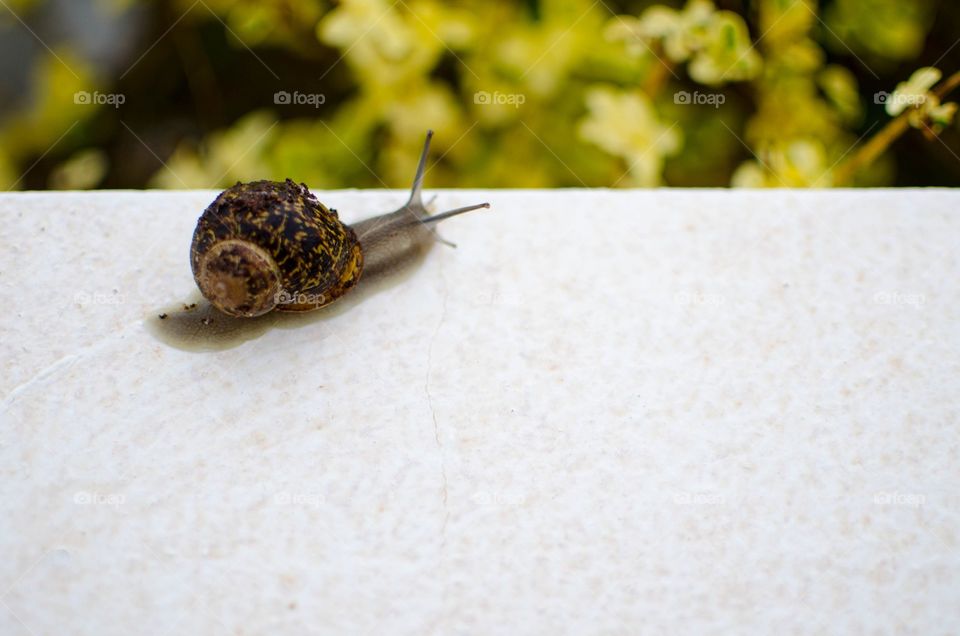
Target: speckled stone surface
679	412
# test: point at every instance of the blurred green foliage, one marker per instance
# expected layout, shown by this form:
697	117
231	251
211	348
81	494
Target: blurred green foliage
538	93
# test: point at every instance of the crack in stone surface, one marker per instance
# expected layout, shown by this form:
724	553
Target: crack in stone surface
436	437
433	413
62	364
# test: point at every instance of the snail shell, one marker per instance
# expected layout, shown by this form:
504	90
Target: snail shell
265	245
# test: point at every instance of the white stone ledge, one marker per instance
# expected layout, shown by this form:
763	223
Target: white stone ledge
672	411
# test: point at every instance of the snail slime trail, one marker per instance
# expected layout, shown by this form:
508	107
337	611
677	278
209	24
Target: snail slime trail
268	254
196	325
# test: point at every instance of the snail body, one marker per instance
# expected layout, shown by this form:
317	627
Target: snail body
269	245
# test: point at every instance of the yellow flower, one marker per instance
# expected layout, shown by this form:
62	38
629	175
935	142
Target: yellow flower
716	43
941	115
391	47
914	91
840	87
83	171
726	53
794	163
926	109
625	124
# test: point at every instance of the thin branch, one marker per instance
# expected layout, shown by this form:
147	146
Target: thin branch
659	73
877	144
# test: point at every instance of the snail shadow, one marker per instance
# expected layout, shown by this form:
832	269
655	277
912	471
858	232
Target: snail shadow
197	326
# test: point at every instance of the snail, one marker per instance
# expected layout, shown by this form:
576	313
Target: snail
271	245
